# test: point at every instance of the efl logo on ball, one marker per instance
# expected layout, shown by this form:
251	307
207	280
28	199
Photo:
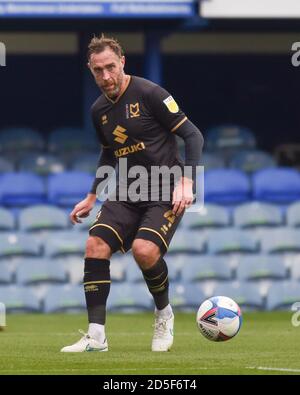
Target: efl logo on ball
219	318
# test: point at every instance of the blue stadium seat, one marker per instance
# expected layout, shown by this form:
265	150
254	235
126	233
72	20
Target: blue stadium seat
86	163
257	214
293	215
252	160
65	299
125	297
41	217
247	295
7	220
231	240
229	137
206	268
41	164
20	140
73	266
208	216
6	166
278	185
6	274
40	271
226	186
16	244
282	295
189	242
66	140
65	243
186	296
280	240
67	189
294	267
21	189
212	161
19	300
261	267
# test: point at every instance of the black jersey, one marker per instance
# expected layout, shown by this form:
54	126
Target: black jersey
140	125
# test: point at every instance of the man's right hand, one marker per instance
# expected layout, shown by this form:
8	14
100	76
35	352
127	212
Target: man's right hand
82	209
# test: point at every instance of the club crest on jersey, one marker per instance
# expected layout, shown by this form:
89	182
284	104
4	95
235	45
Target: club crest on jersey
133	110
171	104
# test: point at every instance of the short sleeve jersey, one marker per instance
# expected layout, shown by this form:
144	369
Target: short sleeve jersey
140	124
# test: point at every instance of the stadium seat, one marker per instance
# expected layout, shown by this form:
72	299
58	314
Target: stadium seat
282	295
86	163
42	271
186	296
226	186
41	164
206	268
21	189
208	216
16	244
65	243
261	267
231	240
257	214
293	214
125	297
278	185
280	240
68	188
189	242
68	140
6	274
247	295
6	166
19	140
42	217
229	137
65	299
250	161
7	220
19	300
212	161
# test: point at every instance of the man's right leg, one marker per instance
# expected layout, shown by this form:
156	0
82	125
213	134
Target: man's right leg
96	282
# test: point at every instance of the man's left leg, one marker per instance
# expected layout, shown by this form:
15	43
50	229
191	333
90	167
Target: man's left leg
155	271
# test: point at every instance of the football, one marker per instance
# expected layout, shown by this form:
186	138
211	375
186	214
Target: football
219	318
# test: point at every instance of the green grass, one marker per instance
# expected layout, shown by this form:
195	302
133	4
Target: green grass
30	344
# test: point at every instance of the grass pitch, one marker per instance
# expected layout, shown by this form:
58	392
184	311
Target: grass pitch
267	344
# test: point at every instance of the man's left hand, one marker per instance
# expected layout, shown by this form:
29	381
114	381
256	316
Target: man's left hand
182	195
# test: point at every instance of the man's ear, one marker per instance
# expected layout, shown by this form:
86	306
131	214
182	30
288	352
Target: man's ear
123	61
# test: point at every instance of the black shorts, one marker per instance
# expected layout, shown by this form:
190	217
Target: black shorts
119	223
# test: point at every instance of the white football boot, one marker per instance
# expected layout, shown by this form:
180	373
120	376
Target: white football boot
163	333
86	343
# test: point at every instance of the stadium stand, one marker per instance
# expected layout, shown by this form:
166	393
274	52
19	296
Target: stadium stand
21	189
7	220
63	191
226	186
16	141
6	166
19	300
125	297
208	216
64	299
41	164
282	295
257	214
43	217
250	161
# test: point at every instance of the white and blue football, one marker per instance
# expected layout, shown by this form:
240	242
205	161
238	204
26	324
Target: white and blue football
219	318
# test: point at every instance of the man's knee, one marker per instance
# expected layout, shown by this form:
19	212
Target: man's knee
97	248
145	252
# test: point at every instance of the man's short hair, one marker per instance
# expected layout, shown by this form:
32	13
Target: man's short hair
99	44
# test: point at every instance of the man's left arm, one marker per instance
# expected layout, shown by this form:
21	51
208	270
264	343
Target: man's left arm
183	195
172	118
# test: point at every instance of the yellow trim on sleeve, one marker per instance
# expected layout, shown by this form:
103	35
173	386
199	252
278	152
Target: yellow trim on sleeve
179	124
